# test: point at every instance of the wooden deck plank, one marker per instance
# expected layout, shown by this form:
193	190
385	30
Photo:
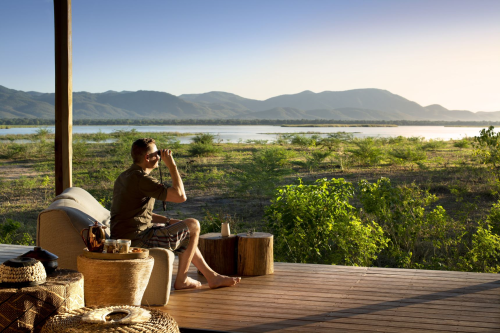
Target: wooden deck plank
321	298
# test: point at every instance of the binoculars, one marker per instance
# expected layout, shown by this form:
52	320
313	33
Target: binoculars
158	152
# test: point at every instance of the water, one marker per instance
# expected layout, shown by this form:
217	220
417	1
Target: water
259	132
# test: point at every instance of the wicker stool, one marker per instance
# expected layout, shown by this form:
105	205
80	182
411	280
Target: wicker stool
114	282
72	322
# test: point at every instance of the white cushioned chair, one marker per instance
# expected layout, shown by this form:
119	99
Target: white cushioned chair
58	231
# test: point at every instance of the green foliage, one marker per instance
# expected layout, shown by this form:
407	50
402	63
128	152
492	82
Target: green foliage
212	222
203	149
464	143
15	150
367	151
11	232
433	145
261	173
304	141
408	221
204	138
313	159
484	253
486	147
493	219
407	155
316	224
80	149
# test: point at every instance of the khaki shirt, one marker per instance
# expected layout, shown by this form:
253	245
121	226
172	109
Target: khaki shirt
134	195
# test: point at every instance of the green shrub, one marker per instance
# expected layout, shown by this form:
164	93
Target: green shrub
203	149
204	138
367	151
486	149
419	235
484	253
314	159
464	143
433	145
302	140
12	232
316	224
15	150
261	173
408	155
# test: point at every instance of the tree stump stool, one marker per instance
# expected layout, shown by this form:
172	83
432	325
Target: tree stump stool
115	282
255	254
27	309
219	252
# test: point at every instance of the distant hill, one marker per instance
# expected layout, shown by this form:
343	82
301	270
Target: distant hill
358	104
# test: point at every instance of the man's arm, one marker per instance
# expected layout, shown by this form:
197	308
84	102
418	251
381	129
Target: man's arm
176	192
161	220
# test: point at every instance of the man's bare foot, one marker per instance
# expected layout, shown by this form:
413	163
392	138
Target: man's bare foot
223	281
188	284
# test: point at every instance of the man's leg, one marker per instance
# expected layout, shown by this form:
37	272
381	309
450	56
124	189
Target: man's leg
192	254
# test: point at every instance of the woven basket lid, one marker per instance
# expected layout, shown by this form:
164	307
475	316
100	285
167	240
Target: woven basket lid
20	262
22	272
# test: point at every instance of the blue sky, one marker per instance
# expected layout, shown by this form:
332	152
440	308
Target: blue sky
432	52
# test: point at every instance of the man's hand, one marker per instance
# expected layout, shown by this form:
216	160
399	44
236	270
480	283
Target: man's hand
168	159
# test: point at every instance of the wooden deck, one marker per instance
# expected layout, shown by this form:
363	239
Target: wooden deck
320	298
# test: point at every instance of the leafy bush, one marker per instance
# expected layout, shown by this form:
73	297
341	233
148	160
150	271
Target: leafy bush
204	138
367	151
484	253
203	149
261	173
411	225
486	148
15	150
303	141
408	155
464	143
493	218
314	159
433	145
11	232
316	224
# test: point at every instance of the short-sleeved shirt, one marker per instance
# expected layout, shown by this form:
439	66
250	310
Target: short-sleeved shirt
134	195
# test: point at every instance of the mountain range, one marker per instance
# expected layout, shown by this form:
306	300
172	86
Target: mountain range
357	104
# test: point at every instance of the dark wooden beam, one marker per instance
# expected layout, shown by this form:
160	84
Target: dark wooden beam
64	95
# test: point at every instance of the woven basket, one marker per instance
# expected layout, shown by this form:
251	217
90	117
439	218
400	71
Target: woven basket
160	322
22	272
114	282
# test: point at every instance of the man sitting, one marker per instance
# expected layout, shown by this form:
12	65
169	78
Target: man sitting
132	215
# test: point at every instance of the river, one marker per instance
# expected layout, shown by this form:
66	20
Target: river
263	132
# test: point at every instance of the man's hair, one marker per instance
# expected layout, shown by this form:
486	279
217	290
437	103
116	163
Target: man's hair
140	148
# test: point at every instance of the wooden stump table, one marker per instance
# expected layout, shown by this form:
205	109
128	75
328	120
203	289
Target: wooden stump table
26	309
255	254
219	252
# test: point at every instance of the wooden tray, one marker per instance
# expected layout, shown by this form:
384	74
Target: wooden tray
116	256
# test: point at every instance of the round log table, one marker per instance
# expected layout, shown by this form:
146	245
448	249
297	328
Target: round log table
219	252
27	309
115	282
255	254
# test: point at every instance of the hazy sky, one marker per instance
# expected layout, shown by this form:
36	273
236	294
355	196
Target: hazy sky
432	52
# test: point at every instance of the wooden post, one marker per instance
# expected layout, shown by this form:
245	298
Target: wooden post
64	95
